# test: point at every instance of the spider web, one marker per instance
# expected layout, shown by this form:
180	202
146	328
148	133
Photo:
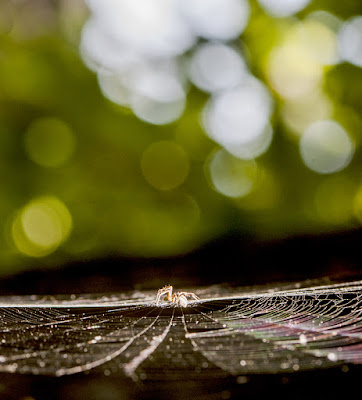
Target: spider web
231	331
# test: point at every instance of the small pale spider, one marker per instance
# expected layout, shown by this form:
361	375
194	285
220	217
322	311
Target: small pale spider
179	298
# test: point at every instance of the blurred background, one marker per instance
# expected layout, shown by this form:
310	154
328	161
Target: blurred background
148	129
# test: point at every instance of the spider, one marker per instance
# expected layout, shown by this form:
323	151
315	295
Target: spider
179	298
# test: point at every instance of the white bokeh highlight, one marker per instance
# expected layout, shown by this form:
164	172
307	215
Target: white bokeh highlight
133	48
283	8
145	53
216	66
216	19
230	176
112	87
154	28
326	147
253	148
350	41
238	119
101	50
158	99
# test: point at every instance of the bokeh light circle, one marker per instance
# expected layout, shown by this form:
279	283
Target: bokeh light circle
165	165
157	98
216	66
283	8
253	148
216	19
151	28
41	226
99	50
326	147
49	142
231	176
295	67
292	71
112	87
237	118
320	41
350	40
299	113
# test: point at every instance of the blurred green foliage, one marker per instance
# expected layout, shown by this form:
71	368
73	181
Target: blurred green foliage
114	206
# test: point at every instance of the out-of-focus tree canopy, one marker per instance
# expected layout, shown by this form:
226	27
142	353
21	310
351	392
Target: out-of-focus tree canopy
148	127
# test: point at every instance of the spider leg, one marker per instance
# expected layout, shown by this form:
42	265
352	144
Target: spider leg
190	294
167	290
